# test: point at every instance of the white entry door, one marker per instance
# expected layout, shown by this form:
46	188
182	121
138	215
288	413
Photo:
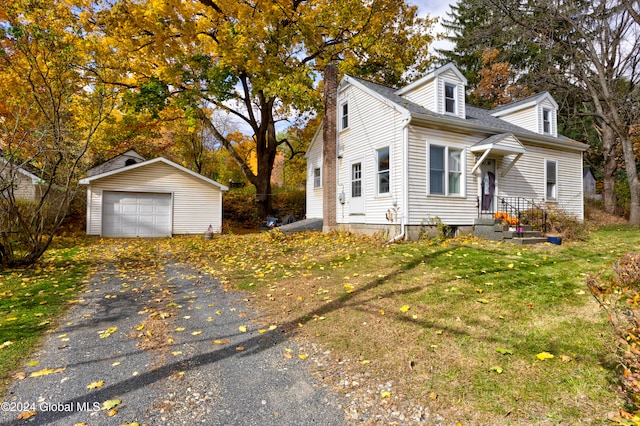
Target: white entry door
136	214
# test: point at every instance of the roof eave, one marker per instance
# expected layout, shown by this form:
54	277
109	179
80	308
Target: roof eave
532	137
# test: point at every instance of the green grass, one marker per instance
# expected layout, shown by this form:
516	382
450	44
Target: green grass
32	300
465	298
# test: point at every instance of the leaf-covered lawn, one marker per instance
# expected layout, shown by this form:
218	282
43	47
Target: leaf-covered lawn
480	332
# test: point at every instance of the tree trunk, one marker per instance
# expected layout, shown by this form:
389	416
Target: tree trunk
609	168
632	178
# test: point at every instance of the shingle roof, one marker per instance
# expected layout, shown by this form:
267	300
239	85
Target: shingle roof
474	115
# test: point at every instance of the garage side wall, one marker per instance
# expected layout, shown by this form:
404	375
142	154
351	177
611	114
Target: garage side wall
196	203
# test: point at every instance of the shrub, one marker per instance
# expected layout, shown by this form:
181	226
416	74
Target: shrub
562	223
618	294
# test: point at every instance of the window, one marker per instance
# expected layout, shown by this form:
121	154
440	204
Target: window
344	114
383	171
546	121
356	180
317	178
445	171
450	98
551	178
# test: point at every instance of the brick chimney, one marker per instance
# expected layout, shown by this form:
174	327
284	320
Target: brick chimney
329	189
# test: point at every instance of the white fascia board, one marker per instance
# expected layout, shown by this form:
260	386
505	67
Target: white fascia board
88	180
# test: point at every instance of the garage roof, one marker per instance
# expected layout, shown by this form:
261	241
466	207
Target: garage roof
90	179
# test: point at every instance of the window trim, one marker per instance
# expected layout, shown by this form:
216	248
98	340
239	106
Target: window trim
447	172
344	118
317	180
546	180
454	99
386	171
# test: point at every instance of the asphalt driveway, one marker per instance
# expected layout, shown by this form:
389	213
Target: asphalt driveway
166	345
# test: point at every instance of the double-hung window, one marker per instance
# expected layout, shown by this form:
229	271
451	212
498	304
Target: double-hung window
446	175
546	121
356	180
551	180
449	98
317	178
383	171
344	116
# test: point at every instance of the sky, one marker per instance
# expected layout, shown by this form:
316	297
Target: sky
434	8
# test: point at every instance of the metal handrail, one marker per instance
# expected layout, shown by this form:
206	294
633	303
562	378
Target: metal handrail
519	212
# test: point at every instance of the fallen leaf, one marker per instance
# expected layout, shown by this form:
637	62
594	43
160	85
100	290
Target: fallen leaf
497	369
510	265
365	361
33	363
112	412
95	385
544	355
433	395
405	308
26	415
43	372
176	353
115	364
243	328
196	333
110	404
221	341
5	344
239	348
385	394
504	351
178	329
483	301
565	358
272	327
108	332
302	356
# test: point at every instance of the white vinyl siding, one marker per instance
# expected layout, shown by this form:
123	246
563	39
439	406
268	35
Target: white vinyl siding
314	195
196	203
423	207
373	126
525	118
425	96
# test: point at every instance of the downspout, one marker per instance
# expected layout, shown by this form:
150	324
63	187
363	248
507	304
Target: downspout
405	186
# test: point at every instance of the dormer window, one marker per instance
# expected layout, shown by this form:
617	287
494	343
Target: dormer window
546	121
450	98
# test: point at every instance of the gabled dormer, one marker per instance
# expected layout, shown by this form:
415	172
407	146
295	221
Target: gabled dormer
441	91
537	113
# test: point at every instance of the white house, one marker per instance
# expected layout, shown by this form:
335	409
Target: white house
153	198
409	157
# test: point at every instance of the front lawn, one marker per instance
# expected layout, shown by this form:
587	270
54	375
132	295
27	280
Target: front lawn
479	332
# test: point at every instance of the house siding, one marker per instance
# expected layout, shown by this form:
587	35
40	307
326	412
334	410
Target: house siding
527	179
424	96
424	208
525	118
314	195
196	204
373	125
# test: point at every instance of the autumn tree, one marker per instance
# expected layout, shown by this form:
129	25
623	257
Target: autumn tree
257	61
53	102
496	85
583	52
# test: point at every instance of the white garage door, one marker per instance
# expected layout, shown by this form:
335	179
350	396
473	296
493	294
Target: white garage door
136	214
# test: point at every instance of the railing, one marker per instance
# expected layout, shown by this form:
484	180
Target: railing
517	212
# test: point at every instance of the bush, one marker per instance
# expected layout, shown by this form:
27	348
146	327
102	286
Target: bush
618	293
562	223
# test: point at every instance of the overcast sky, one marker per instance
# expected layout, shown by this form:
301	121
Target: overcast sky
435	9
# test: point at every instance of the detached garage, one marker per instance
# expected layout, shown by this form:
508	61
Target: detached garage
154	198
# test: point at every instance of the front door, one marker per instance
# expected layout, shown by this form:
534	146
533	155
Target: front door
488	186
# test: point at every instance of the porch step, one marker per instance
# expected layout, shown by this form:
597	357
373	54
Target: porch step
523	234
